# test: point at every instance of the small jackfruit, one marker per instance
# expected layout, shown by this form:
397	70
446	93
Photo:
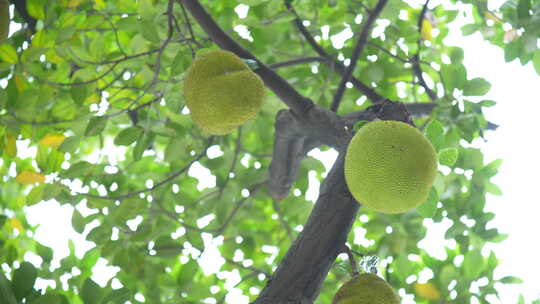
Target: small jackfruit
390	166
221	92
366	288
4	20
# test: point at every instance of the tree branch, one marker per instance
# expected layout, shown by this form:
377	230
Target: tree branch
299	276
414	109
290	149
278	65
362	39
332	63
159	184
416	58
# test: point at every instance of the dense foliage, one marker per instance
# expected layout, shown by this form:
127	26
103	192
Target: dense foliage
92	115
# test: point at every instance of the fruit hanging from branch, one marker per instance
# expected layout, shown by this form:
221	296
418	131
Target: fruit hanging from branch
221	92
366	288
390	166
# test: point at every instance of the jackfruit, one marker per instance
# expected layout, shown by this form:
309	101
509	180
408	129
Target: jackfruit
4	20
221	92
366	288
390	166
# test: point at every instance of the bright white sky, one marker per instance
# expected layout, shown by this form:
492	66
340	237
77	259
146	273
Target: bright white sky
516	142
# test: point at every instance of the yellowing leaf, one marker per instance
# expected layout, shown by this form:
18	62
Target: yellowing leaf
53	140
27	177
427	290
16	224
426	30
11	146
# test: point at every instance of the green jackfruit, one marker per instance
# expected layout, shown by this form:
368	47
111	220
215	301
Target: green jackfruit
221	92
4	20
390	166
366	288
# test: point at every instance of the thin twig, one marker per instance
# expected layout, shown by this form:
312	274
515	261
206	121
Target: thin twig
235	159
159	184
332	63
362	39
278	65
352	260
416	58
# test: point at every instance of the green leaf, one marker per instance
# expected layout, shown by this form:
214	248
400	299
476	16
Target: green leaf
50	299
91	293
435	134
469	29
186	274
3	220
512	51
35	196
448	156
402	267
476	87
146	9
456	55
492	188
70	144
511	280
79	93
8	53
44	252
121	295
95	126
523	8
149	31
448	274
429	208
143	143
536	62
6	292
24	278
128	136
473	264
36	8
178	65
77	221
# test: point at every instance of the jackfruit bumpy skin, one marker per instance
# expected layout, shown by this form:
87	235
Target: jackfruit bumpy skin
390	166
366	288
221	92
4	20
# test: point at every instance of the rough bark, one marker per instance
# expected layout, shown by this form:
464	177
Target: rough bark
299	277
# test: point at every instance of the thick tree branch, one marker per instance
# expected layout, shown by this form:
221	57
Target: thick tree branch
362	39
332	63
278	85
300	274
290	148
414	109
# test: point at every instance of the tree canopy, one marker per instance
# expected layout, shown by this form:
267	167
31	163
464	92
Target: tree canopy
92	115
